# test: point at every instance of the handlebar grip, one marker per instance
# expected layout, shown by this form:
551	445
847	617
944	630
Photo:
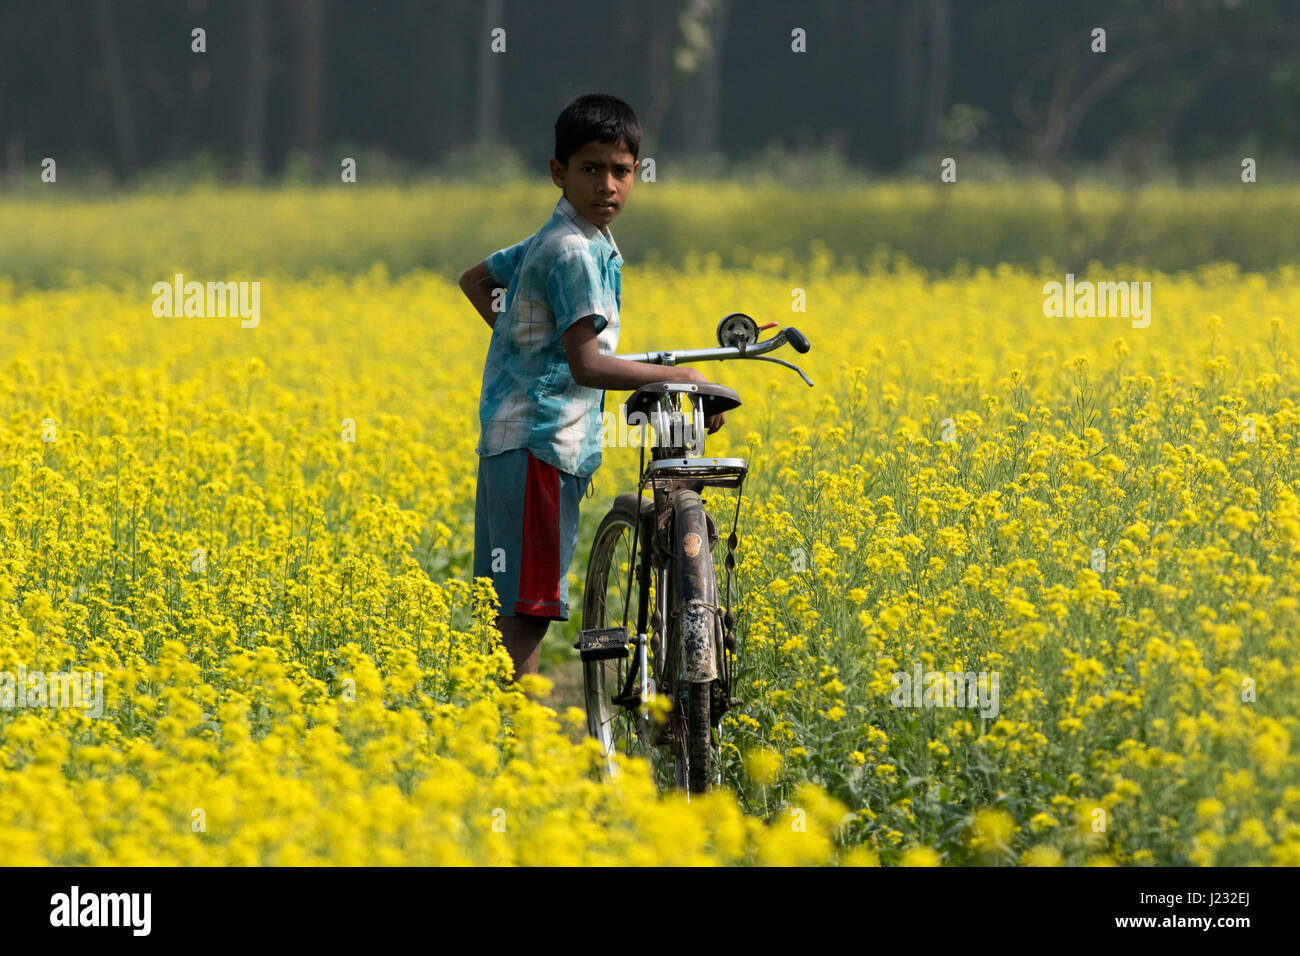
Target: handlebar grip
797	339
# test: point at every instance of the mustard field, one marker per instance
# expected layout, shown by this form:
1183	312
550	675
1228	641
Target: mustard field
261	538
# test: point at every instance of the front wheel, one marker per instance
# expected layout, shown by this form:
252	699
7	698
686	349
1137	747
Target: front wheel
696	629
699	737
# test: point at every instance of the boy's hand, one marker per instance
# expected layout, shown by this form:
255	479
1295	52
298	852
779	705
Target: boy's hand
690	375
478	285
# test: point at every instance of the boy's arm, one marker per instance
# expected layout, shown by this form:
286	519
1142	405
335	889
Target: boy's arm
594	370
478	285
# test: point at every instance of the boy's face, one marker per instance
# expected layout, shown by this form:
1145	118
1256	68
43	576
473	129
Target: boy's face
597	180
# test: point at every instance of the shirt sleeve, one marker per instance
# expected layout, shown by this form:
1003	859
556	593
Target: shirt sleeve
574	289
504	263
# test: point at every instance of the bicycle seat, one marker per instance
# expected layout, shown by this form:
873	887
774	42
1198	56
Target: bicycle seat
716	398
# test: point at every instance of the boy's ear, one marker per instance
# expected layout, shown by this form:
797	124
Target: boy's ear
557	172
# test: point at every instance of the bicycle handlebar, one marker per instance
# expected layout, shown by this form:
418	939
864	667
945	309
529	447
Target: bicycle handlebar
793	336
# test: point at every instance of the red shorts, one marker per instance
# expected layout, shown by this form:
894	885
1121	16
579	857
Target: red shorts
525	531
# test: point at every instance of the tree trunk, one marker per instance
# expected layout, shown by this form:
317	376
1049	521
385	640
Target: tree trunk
940	12
309	107
119	98
489	73
14	159
255	92
909	98
447	37
663	25
704	104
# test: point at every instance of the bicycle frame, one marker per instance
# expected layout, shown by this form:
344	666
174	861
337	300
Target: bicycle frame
696	597
687	622
676	479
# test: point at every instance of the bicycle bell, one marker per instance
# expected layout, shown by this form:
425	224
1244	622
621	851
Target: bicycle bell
737	330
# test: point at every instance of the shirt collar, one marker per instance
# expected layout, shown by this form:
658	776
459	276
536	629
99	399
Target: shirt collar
600	235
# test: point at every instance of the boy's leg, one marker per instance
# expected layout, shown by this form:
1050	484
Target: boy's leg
526	529
522	635
498	551
550	523
517	544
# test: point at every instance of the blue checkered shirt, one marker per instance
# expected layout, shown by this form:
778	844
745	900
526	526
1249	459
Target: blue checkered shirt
568	269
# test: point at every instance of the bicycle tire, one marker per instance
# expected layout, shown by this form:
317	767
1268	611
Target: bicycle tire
699	738
612	726
693	569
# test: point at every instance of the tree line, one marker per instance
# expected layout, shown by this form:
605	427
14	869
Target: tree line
256	85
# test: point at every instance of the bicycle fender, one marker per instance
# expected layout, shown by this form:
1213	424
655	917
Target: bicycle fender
697	587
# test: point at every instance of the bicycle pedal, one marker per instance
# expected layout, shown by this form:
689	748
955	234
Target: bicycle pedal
602	643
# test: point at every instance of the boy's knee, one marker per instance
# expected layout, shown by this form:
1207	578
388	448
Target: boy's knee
536	625
523	624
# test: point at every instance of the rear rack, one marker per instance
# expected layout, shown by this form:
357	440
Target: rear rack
720	472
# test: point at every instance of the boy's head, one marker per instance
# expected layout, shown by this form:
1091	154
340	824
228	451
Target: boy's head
597	138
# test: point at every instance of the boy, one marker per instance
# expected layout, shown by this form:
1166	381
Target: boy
550	358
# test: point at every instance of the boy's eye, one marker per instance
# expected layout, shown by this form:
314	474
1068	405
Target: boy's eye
622	172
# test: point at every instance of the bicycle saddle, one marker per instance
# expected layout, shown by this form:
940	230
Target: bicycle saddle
716	398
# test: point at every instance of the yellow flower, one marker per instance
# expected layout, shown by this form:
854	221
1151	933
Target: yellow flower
1042	856
535	685
299	670
920	856
762	765
861	856
991	829
1209	809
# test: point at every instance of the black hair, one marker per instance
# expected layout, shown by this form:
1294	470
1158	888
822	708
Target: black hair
599	117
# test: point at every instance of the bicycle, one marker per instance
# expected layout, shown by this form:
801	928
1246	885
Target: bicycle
669	577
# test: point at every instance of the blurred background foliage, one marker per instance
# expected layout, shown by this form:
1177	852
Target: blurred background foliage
446	227
1065	155
285	88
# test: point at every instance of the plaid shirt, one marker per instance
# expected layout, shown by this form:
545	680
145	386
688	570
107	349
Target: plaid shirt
567	270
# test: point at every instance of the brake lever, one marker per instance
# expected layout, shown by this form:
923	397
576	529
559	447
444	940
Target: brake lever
767	358
775	342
